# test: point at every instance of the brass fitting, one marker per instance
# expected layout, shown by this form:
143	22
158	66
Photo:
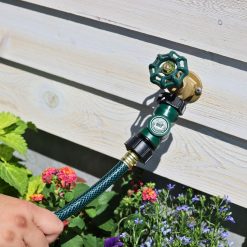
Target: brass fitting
130	159
191	89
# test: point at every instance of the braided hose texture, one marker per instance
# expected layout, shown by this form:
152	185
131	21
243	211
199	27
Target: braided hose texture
104	183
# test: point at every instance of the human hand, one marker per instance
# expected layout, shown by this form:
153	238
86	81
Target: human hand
23	224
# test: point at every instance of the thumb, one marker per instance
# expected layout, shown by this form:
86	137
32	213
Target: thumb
47	222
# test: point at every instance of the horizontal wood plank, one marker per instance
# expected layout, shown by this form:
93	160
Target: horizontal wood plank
214	26
117	65
192	158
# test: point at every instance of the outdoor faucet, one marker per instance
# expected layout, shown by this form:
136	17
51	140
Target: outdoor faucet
179	87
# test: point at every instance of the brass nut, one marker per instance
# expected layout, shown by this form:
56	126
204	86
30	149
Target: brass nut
130	159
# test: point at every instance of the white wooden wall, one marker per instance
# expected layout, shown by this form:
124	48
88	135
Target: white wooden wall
79	70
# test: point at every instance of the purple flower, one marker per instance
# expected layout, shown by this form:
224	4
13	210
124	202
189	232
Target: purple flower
170	186
165	231
148	243
191	225
230	219
195	199
185	240
183	208
123	235
138	221
223	209
224	234
169	240
226	199
113	242
205	229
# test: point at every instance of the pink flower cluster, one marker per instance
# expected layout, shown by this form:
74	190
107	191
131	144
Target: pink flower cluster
148	194
67	176
37	197
48	174
64	177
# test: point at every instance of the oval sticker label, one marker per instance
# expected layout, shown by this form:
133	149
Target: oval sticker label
158	126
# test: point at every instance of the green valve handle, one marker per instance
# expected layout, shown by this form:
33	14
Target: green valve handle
168	70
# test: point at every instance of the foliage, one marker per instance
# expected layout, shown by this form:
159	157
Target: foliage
14	176
55	188
52	190
151	217
146	216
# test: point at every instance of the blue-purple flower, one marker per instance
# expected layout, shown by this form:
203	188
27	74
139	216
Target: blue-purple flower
113	242
226	199
229	218
185	240
165	231
123	235
223	209
183	208
148	242
191	225
224	234
138	221
195	199
170	186
206	229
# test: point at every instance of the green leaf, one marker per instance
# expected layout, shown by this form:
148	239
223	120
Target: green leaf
48	189
69	196
15	141
90	240
100	242
101	208
106	197
32	126
6	189
6	152
61	203
35	186
108	226
7	119
20	128
3	186
14	175
93	203
80	189
76	241
77	222
91	212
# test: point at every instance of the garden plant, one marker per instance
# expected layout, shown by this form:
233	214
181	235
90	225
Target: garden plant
145	216
148	217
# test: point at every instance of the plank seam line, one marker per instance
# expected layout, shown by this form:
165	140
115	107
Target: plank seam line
143	110
207	55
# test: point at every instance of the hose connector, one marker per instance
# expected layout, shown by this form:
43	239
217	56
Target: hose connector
130	159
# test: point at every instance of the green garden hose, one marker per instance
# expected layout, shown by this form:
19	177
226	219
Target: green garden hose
104	183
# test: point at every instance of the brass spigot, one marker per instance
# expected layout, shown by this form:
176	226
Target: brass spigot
191	89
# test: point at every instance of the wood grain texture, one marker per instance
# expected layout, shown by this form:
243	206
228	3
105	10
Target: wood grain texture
117	65
214	26
202	161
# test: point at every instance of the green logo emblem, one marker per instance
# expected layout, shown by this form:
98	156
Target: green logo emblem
159	126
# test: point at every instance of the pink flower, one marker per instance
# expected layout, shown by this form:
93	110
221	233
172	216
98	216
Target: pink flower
148	194
36	197
48	174
67	176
